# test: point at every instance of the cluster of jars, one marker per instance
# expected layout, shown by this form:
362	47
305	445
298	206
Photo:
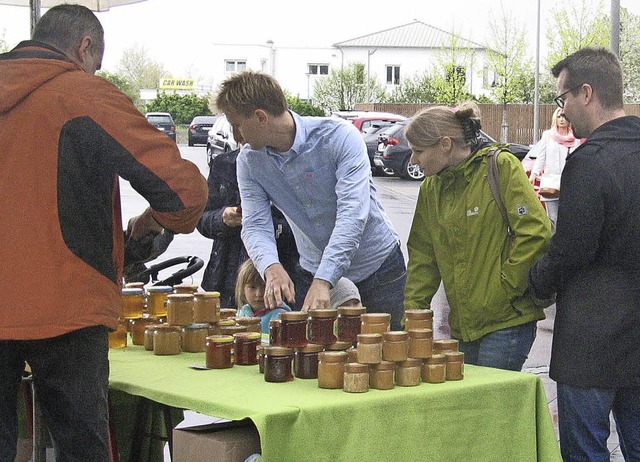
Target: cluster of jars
169	320
354	350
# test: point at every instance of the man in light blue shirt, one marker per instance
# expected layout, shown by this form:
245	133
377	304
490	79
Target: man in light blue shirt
316	171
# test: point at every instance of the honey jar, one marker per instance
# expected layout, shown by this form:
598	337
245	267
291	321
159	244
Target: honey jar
185	288
179	309
320	326
369	348
218	351
434	369
246	348
454	361
226	313
293	328
352	355
194	337
157	300
418	319
166	340
275	334
381	375
137	328
206	307
374	323
261	354
443	345
251	323
420	343
132	303
331	369
232	329
118	337
395	346
305	361
215	328
149	330
277	364
408	372
348	324
356	378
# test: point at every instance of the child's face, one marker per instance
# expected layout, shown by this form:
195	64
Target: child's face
254	293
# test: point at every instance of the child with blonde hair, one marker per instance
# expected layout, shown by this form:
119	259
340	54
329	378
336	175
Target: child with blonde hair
250	296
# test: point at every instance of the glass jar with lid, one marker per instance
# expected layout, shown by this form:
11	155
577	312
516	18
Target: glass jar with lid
118	337
418	319
157	300
277	364
408	372
305	361
293	329
381	375
246	348
369	348
218	351
132	303
227	313
166	340
194	337
348	324
206	307
215	328
252	323
179	309
321	325
374	323
149	330
395	346
275	334
137	328
339	346
441	346
434	369
420	343
356	378
331	369
454	361
185	288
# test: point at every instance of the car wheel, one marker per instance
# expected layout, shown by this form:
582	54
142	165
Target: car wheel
412	171
191	143
209	155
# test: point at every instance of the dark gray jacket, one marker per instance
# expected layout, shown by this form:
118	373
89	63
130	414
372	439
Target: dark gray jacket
594	262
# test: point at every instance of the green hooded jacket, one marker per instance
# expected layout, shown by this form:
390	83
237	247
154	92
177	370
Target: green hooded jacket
459	236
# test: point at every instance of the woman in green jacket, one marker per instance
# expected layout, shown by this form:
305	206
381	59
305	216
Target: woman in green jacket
459	236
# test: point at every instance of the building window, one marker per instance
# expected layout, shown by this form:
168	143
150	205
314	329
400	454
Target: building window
393	75
318	69
235	65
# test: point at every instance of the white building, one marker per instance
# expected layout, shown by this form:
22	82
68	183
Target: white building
389	56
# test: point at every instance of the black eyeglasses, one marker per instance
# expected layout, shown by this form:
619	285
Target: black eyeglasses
560	99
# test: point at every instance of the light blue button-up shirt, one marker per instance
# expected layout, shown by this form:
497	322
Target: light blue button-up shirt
324	188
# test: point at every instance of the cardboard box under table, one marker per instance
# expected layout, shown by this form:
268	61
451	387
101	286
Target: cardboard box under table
491	415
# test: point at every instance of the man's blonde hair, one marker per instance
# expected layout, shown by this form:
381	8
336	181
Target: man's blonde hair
249	90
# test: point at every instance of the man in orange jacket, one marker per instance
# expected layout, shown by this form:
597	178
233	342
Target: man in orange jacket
66	137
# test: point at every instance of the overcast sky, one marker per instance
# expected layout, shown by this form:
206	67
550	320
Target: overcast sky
177	33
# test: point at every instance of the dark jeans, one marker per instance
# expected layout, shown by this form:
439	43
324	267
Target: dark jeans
583	422
382	292
503	349
71	379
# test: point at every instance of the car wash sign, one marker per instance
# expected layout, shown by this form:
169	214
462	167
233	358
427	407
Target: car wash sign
170	83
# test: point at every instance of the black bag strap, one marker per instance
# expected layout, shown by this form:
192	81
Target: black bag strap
493	177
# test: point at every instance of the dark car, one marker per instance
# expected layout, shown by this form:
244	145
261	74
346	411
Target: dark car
370	136
163	122
394	152
199	129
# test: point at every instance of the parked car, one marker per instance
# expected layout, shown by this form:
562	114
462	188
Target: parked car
199	129
163	122
394	152
365	119
220	138
370	136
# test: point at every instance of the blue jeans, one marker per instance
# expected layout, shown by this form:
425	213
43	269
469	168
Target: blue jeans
71	378
503	349
583	418
382	292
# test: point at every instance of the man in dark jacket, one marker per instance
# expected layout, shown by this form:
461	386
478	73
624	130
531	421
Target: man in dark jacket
593	264
62	246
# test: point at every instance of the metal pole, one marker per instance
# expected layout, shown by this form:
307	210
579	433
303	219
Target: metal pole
34	7
615	27
536	92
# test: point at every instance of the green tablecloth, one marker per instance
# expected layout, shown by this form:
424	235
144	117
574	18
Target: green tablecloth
491	415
